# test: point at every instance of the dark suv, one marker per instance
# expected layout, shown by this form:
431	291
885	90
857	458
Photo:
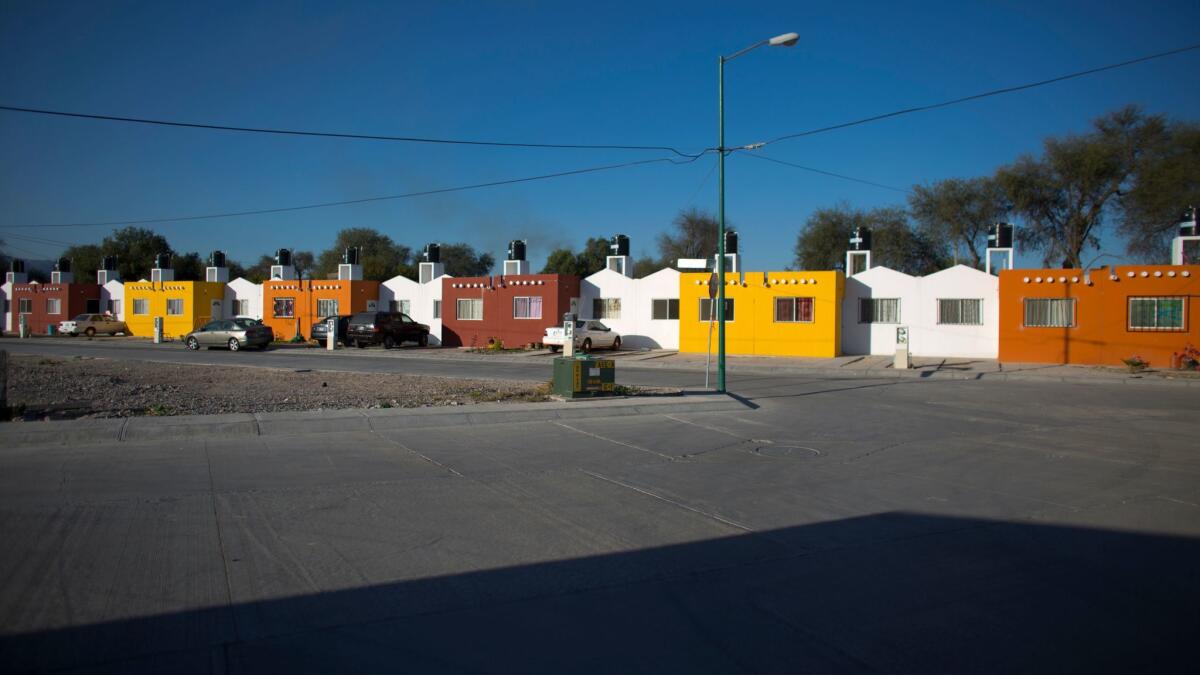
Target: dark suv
386	328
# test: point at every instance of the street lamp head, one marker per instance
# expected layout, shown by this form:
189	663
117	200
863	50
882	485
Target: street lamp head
785	40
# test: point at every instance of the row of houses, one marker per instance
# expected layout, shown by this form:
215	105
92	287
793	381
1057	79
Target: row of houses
1098	316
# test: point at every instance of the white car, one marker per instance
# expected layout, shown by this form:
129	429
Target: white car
90	324
589	335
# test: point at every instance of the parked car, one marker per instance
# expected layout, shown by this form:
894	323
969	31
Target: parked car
320	330
249	319
231	333
90	324
386	328
588	335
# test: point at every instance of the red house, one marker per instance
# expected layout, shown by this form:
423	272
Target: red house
514	309
44	305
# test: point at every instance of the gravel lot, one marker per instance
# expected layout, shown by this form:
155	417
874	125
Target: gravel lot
84	387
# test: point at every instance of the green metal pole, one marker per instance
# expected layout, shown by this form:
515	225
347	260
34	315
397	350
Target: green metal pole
721	224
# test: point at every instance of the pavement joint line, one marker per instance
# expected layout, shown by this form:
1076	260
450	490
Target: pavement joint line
669	458
212	496
404	447
672	502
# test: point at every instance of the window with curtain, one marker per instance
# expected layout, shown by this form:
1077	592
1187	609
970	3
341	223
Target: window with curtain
327	308
527	307
53	306
175	306
470	309
706	306
284	308
960	311
437	309
141	306
1049	312
793	310
606	308
879	310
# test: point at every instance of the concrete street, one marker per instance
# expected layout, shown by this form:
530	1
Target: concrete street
830	525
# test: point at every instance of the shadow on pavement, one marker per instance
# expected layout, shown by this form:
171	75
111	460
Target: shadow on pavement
895	592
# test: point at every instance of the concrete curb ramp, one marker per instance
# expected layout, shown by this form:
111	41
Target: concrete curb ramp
182	427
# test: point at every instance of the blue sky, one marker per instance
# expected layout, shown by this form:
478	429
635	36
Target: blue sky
622	73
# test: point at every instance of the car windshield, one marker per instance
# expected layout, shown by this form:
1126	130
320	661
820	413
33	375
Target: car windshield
245	323
83	317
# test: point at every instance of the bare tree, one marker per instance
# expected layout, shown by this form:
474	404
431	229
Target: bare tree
694	236
959	212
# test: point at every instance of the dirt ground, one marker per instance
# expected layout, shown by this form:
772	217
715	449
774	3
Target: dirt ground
85	387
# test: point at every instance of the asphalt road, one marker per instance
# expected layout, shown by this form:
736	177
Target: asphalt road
836	526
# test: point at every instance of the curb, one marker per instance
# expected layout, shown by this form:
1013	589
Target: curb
237	425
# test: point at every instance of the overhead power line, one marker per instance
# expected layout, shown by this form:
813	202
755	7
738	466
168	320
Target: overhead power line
827	173
365	200
335	134
986	94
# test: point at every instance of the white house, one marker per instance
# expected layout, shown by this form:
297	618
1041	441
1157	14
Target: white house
953	313
644	312
5	296
112	298
243	298
420	301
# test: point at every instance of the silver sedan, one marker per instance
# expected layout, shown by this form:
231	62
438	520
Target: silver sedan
231	333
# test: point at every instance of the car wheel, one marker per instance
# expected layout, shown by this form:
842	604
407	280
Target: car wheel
192	344
423	341
112	334
554	349
388	342
90	332
587	345
73	334
616	343
234	345
360	345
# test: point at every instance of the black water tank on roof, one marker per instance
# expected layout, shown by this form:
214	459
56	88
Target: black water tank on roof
63	265
216	259
162	261
350	256
432	253
109	263
16	265
619	245
283	257
1000	236
731	242
860	239
516	249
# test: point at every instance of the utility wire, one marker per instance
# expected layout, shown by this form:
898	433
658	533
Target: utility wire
827	173
406	195
986	94
333	134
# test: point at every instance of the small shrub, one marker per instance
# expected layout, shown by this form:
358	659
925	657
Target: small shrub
1189	358
1136	364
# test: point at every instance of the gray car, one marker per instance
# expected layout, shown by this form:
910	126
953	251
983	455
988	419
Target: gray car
231	333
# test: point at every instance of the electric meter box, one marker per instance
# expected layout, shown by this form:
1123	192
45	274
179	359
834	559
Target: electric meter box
584	377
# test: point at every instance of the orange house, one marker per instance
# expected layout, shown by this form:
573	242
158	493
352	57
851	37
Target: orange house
1109	314
293	306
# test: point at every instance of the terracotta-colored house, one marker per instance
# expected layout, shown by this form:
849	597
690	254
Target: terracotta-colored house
44	305
514	309
291	305
1109	314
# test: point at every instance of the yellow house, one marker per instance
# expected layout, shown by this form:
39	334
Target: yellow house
769	313
183	305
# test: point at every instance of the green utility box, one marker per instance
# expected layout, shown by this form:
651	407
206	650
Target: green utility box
584	377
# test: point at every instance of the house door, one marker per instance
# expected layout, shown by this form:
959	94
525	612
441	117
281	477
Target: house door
216	310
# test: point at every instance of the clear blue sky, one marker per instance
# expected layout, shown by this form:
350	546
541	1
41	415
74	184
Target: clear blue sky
627	73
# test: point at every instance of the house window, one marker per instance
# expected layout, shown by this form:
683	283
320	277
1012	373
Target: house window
53	306
25	306
141	306
1157	313
402	306
174	307
706	308
470	309
241	307
664	309
527	307
114	307
879	310
437	309
960	311
793	310
1049	312
327	308
606	308
285	308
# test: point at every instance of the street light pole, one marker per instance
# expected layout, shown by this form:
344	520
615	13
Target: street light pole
785	40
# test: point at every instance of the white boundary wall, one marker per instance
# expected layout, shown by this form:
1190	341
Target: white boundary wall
113	291
243	289
636	328
420	299
919	311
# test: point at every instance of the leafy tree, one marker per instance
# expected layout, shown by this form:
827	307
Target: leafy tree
189	266
461	260
304	262
960	212
259	271
823	241
380	257
694	236
561	261
592	259
1166	182
85	260
645	266
1065	195
135	248
236	269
